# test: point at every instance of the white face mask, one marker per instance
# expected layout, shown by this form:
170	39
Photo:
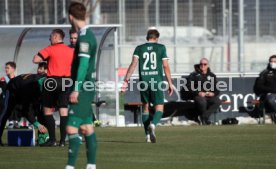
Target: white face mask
272	65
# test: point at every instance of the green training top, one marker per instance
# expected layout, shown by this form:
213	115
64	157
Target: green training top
151	56
83	67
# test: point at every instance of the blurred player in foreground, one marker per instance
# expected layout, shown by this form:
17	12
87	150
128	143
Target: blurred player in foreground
83	71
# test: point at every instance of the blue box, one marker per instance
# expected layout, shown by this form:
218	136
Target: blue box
21	137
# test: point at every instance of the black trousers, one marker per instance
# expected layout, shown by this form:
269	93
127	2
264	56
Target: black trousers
206	105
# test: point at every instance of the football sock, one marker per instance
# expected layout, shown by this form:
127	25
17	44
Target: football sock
62	127
50	125
145	119
157	116
74	146
91	148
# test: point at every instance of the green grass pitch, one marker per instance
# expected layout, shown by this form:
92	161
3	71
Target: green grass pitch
193	147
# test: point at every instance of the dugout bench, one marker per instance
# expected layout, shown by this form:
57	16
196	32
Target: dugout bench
171	109
261	107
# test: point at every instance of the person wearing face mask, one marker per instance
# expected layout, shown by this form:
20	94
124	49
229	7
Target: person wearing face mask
265	85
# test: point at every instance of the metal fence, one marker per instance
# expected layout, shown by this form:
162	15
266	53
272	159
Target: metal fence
235	35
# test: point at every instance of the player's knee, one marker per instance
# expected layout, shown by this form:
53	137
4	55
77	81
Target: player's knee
71	130
48	111
159	107
87	130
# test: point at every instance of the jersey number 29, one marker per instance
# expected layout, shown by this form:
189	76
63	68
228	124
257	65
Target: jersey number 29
151	58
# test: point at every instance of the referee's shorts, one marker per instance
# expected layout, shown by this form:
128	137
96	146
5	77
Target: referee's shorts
55	92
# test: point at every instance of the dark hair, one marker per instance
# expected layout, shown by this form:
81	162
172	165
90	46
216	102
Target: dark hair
152	34
43	64
11	64
77	10
60	32
72	31
271	57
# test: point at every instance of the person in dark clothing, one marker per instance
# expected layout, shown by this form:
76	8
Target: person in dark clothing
10	69
265	85
202	88
3	87
73	38
23	91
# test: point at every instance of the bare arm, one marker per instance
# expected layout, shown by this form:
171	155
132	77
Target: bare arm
131	68
167	71
37	59
130	71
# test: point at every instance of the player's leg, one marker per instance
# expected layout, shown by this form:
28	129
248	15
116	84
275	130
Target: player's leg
13	120
50	125
9	104
91	144
63	121
74	141
62	104
156	118
39	113
49	101
146	120
83	108
158	113
29	115
145	115
87	128
157	98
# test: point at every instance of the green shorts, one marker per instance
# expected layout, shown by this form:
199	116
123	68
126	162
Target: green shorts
153	96
82	110
76	121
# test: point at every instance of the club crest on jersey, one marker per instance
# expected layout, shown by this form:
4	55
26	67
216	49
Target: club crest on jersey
71	112
84	47
150	48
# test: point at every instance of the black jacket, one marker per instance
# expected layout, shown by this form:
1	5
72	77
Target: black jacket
25	87
3	87
266	82
24	90
199	82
